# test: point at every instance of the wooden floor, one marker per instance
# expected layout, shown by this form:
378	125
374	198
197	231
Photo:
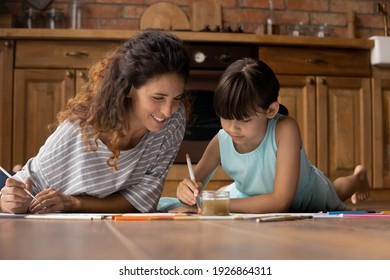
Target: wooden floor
309	239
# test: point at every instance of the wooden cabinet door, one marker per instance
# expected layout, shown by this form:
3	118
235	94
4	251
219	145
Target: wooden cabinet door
6	77
81	79
343	125
39	96
297	93
381	127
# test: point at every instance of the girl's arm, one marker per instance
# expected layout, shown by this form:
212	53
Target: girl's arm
289	143
203	170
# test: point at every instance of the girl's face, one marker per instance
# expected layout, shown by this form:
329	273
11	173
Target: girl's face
155	102
248	133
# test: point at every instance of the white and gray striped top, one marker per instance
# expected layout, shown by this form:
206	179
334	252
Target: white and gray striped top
64	164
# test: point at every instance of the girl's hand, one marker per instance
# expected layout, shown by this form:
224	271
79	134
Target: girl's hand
14	198
187	191
52	201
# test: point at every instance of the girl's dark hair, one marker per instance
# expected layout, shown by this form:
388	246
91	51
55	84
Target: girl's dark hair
102	105
247	86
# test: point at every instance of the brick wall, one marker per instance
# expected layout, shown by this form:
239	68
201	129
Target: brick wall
250	14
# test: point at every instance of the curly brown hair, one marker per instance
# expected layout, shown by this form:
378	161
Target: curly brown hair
101	107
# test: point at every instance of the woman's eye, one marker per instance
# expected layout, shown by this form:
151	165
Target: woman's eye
158	98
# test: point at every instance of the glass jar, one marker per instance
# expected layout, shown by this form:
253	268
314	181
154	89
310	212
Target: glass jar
32	18
215	203
55	18
76	14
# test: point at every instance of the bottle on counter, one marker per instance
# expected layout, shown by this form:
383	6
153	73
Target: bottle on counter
76	14
271	26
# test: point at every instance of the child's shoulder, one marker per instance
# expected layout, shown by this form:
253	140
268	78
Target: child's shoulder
286	120
287	124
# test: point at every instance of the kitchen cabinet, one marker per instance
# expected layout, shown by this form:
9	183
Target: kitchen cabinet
6	77
47	74
328	92
381	126
324	84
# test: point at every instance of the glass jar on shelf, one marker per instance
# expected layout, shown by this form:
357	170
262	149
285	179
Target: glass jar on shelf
32	18
55	18
76	14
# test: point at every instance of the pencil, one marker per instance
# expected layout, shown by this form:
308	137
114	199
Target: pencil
190	170
282	218
154	218
192	177
25	189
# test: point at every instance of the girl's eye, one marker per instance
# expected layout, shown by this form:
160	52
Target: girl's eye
158	98
246	120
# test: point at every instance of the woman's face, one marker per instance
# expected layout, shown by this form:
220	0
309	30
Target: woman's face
155	102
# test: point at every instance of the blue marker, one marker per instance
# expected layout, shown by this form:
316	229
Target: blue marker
350	212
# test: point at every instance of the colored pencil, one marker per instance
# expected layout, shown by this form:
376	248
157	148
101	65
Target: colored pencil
192	177
282	218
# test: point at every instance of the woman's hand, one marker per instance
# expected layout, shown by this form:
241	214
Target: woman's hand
187	191
14	198
51	201
185	209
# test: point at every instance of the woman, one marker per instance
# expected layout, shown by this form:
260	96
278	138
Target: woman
116	139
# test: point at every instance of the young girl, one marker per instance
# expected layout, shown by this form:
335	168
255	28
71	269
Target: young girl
262	151
116	139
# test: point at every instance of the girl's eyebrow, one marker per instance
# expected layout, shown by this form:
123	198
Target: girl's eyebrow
165	95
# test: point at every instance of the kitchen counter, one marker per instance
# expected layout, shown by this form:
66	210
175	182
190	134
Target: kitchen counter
93	34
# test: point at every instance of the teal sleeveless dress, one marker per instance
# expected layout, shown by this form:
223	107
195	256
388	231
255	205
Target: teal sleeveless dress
254	172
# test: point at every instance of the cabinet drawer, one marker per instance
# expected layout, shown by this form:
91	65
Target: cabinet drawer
60	54
317	61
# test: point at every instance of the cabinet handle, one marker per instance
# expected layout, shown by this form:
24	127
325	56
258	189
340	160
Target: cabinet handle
69	74
315	61
323	81
76	54
7	44
311	81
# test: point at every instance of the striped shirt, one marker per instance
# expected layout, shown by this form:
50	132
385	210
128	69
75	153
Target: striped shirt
64	164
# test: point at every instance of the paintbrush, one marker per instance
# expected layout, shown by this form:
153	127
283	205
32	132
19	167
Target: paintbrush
192	177
26	190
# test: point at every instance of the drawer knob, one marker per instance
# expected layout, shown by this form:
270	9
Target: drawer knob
77	54
311	81
82	75
69	74
7	44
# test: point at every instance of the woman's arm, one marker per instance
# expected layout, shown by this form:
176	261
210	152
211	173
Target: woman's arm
288	142
54	201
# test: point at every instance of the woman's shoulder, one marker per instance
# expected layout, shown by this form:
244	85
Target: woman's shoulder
65	131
